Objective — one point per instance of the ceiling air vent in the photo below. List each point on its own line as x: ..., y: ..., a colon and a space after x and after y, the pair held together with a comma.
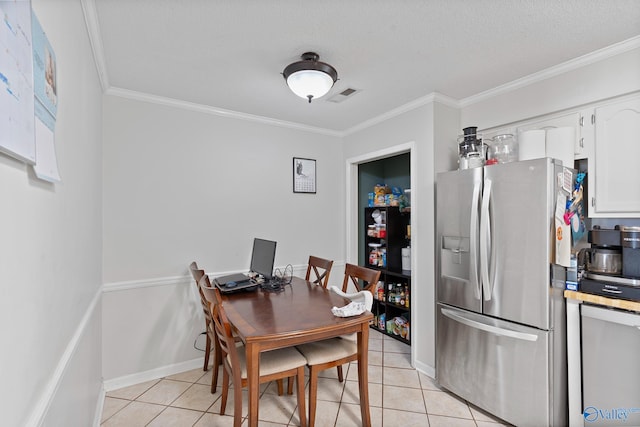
x: 347, y: 93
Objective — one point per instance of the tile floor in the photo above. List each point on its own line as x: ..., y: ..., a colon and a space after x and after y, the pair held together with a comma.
x: 398, y: 395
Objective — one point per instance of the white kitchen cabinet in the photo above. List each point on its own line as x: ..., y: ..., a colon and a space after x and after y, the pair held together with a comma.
x: 615, y: 172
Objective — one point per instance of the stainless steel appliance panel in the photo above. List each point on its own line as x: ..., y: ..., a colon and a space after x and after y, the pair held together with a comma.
x: 610, y: 366
x: 517, y: 245
x: 499, y: 366
x: 458, y: 197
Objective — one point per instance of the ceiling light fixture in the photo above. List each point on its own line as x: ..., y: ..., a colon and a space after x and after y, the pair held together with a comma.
x: 310, y: 78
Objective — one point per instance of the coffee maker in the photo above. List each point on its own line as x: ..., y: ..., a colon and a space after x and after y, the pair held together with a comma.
x: 611, y: 266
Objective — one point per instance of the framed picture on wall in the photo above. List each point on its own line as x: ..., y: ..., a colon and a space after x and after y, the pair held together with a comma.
x: 304, y: 175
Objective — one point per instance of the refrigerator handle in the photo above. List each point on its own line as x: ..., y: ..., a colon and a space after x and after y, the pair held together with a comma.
x: 485, y: 239
x: 488, y: 328
x: 473, y: 242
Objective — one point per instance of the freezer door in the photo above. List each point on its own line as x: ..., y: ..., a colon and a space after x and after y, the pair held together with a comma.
x: 515, y: 240
x: 457, y: 201
x: 498, y: 366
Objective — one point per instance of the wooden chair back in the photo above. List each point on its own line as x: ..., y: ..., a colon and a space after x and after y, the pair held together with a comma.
x: 362, y: 278
x: 321, y: 268
x: 211, y: 293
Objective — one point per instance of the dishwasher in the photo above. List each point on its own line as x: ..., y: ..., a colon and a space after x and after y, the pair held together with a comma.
x: 610, y: 366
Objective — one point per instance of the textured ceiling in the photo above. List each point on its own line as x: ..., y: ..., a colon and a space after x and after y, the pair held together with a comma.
x: 228, y: 54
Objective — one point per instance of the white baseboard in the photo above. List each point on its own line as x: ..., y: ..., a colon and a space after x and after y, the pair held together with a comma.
x: 426, y: 369
x: 153, y: 374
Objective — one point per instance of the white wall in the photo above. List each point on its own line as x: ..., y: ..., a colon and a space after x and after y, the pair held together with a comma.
x: 417, y: 126
x: 183, y: 185
x: 612, y: 76
x: 50, y: 251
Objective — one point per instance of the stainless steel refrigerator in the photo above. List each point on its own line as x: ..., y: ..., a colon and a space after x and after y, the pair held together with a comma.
x: 500, y: 315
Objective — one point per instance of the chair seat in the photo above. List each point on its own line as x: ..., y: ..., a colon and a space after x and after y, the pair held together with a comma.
x: 324, y: 351
x: 272, y: 361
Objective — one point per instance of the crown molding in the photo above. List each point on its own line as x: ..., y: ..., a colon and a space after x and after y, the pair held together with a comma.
x: 176, y: 103
x: 573, y: 64
x: 427, y: 99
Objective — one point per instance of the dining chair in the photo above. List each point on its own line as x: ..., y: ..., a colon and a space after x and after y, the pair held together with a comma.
x: 321, y: 268
x: 210, y: 333
x: 337, y: 351
x: 211, y: 296
x: 274, y: 365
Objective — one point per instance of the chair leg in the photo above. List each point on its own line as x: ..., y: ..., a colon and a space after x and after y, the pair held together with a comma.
x: 313, y: 395
x: 237, y: 404
x: 280, y: 387
x: 340, y: 376
x: 207, y: 351
x: 217, y: 361
x: 225, y: 391
x: 290, y: 385
x: 302, y: 413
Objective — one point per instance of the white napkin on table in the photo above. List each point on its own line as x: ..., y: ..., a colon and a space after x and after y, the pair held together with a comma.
x: 352, y: 309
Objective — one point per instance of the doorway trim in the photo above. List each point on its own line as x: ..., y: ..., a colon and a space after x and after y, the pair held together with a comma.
x: 351, y: 231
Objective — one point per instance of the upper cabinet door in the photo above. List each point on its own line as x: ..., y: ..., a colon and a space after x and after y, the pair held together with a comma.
x: 617, y: 160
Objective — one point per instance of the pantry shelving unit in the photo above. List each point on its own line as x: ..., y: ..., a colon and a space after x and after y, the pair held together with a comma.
x: 385, y: 239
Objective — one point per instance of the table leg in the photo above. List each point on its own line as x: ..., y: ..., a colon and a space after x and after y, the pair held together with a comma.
x: 253, y: 381
x: 363, y: 374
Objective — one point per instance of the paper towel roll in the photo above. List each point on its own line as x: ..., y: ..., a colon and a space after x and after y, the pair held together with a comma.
x: 531, y: 144
x: 560, y: 144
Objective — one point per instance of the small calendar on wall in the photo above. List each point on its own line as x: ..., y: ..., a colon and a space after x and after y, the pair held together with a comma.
x: 304, y: 175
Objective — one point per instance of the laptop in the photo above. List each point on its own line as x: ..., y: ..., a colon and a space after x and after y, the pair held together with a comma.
x: 262, y: 258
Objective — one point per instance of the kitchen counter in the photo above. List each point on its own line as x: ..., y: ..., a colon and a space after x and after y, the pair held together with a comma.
x: 574, y: 358
x: 604, y: 301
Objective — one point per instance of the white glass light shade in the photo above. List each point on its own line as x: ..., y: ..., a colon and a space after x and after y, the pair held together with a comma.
x: 310, y: 83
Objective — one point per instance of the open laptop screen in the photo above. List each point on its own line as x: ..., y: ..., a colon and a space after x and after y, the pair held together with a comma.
x: 262, y: 257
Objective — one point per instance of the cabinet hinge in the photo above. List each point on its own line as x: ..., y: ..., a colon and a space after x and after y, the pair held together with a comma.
x: 593, y: 202
x: 581, y: 121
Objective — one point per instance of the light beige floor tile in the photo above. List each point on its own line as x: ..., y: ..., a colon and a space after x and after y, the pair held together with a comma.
x: 188, y: 376
x: 333, y: 372
x: 215, y: 408
x: 350, y: 416
x: 164, y: 392
x: 198, y: 397
x: 176, y: 417
x: 329, y: 389
x: 404, y: 399
x: 278, y: 409
x: 428, y: 383
x: 443, y: 403
x: 397, y: 360
x: 111, y: 406
x: 392, y: 345
x: 375, y: 345
x: 326, y: 413
x: 135, y: 414
x: 352, y: 393
x: 401, y: 377
x: 211, y: 420
x: 375, y: 358
x: 375, y: 373
x: 132, y: 392
x: 442, y: 421
x: 392, y: 417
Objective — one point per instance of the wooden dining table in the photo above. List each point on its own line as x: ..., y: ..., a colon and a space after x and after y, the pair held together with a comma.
x: 301, y: 313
